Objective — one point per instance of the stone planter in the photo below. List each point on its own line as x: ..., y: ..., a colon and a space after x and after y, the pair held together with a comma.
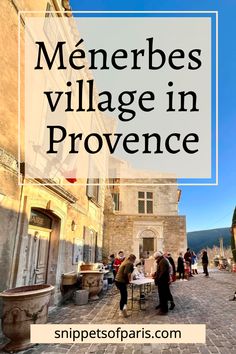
x: 93, y: 282
x: 22, y: 307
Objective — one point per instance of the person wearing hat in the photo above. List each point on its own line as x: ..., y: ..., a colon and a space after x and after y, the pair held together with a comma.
x: 123, y: 277
x: 162, y: 281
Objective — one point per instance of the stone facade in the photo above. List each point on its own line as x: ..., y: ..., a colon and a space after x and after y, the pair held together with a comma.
x: 126, y: 228
x: 31, y: 252
x: 46, y: 230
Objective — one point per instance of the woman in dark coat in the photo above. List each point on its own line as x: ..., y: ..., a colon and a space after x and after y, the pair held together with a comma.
x: 180, y: 266
x: 205, y: 263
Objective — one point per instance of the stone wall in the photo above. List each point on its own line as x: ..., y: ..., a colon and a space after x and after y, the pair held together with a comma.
x: 124, y: 229
x: 119, y: 232
x: 165, y: 197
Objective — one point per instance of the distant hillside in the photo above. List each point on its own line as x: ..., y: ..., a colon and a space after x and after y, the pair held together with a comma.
x: 198, y: 240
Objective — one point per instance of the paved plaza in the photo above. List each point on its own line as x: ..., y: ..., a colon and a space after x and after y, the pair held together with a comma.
x: 199, y: 300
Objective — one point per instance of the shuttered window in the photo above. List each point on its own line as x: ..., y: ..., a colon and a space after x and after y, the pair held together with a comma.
x: 90, y: 245
x: 93, y: 189
x: 116, y: 201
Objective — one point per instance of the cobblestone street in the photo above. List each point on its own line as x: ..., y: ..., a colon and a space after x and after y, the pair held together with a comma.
x: 200, y: 300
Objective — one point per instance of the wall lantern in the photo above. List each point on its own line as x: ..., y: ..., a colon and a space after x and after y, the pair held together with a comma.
x: 73, y: 225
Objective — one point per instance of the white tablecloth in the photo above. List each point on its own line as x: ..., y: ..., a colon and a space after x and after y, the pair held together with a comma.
x: 142, y: 281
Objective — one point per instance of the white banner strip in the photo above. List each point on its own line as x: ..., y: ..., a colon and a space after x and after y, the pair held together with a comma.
x: 117, y: 333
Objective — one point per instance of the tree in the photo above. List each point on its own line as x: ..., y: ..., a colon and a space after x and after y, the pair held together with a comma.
x: 233, y: 246
x: 234, y: 217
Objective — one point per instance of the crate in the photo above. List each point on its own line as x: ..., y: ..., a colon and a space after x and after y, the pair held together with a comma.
x: 81, y: 297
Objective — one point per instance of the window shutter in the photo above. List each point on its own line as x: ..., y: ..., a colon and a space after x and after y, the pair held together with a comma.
x: 90, y: 187
x: 86, y: 245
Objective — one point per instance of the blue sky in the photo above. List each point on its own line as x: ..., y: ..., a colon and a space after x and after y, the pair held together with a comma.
x: 205, y: 207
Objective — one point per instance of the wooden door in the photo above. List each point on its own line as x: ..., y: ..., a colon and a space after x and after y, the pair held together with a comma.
x: 39, y: 256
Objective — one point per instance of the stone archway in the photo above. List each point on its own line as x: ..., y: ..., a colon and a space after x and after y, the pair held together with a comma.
x: 147, y: 235
x: 147, y: 243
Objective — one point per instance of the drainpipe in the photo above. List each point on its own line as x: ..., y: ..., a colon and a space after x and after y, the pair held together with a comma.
x: 18, y: 233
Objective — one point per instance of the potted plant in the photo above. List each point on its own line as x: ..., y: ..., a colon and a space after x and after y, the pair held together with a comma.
x: 23, y: 306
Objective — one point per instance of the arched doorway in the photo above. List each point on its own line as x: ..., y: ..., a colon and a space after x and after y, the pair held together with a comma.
x: 147, y: 243
x: 148, y: 238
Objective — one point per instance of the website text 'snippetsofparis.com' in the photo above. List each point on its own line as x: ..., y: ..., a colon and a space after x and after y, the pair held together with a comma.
x: 115, y: 333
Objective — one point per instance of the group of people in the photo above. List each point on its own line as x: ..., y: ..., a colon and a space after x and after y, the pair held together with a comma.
x: 187, y: 265
x: 123, y: 270
x: 165, y: 274
x: 162, y: 278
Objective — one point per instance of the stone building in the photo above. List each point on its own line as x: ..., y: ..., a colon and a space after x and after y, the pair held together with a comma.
x: 144, y: 218
x: 46, y: 230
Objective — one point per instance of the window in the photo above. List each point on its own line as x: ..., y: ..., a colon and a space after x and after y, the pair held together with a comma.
x: 90, y: 245
x: 93, y: 189
x: 145, y: 202
x: 93, y: 184
x: 116, y: 200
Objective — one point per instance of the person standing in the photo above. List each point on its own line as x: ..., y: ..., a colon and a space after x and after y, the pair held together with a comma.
x: 194, y: 263
x: 172, y: 273
x: 123, y: 277
x: 180, y: 266
x: 205, y: 263
x: 162, y: 278
x: 188, y: 258
x: 118, y: 260
x: 172, y: 263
